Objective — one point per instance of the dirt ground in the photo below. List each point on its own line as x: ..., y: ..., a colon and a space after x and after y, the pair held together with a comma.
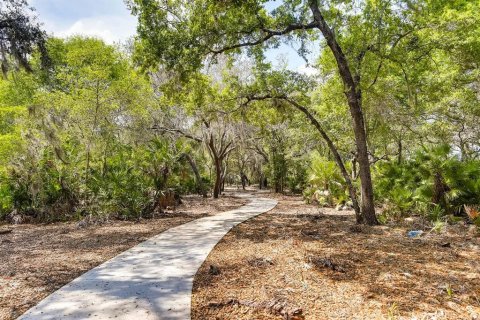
x: 36, y: 260
x: 299, y: 261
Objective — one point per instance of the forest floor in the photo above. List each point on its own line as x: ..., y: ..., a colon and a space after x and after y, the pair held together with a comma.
x: 37, y: 259
x: 299, y: 261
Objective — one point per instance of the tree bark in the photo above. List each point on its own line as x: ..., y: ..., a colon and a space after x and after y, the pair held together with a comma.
x: 218, y: 178
x: 336, y: 156
x: 400, y: 151
x: 353, y: 94
x: 194, y: 167
x: 94, y: 125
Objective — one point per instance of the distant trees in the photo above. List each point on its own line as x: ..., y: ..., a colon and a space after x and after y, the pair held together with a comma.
x: 367, y: 50
x: 204, y: 109
x: 86, y: 145
x: 196, y: 105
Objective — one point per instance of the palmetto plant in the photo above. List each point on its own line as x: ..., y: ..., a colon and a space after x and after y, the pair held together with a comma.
x: 324, y: 175
x: 433, y: 180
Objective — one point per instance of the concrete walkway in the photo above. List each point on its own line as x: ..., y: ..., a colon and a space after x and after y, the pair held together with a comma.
x: 152, y: 280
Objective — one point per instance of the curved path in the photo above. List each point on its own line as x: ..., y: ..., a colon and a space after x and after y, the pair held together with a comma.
x: 152, y: 280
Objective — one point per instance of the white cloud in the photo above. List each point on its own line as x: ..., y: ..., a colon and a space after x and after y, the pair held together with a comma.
x: 307, y: 70
x: 109, y: 28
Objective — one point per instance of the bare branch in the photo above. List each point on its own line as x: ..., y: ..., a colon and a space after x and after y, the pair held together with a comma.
x: 181, y: 132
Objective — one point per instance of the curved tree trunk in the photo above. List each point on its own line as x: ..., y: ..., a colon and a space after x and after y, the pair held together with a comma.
x: 198, y: 178
x: 338, y: 159
x: 354, y: 98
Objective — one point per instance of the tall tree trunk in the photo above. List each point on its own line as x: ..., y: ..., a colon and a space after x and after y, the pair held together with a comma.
x: 400, y: 151
x: 354, y: 97
x: 218, y: 178
x: 94, y: 126
x: 198, y: 178
x: 336, y: 156
x: 440, y: 188
x: 354, y: 168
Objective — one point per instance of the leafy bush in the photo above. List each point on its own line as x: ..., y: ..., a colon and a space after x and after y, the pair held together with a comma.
x: 126, y: 184
x: 434, y: 182
x: 297, y: 177
x: 325, y: 182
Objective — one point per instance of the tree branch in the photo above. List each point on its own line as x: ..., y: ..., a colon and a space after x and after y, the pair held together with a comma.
x: 181, y: 132
x: 323, y: 133
x: 268, y: 33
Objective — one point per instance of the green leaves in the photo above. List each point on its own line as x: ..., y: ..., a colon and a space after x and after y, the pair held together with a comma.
x: 434, y: 178
x: 181, y: 34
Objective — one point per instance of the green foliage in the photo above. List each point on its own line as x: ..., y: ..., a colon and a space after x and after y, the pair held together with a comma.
x: 82, y: 147
x: 20, y: 34
x: 416, y: 65
x: 325, y: 182
x: 91, y: 134
x: 435, y: 182
x: 297, y: 177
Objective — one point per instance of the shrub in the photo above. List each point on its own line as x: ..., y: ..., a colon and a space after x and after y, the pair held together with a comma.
x: 325, y: 182
x: 434, y: 183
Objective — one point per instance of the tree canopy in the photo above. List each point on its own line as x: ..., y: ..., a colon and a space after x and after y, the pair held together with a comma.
x: 196, y: 103
x: 20, y: 35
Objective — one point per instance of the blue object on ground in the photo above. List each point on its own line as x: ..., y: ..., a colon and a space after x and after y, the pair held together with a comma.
x: 414, y: 233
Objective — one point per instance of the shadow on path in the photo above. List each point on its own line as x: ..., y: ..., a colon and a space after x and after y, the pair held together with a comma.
x: 152, y: 280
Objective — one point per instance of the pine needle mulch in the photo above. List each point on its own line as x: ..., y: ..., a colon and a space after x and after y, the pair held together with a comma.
x: 37, y: 259
x: 299, y: 261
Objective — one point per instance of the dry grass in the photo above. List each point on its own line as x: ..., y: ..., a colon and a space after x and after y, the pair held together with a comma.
x: 38, y: 259
x: 298, y: 256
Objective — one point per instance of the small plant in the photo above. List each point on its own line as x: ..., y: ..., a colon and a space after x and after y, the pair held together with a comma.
x: 438, y: 226
x: 433, y: 182
x: 435, y: 212
x: 326, y: 185
x: 392, y: 311
x: 383, y: 218
x: 473, y: 213
x: 449, y: 290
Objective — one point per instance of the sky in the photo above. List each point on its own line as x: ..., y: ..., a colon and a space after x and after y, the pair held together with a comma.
x: 111, y: 21
x: 106, y: 19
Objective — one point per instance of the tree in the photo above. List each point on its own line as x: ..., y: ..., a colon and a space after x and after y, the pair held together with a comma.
x: 87, y: 144
x: 20, y: 34
x: 183, y: 34
x: 196, y: 116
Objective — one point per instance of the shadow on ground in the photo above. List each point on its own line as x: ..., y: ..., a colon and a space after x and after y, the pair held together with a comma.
x: 332, y: 269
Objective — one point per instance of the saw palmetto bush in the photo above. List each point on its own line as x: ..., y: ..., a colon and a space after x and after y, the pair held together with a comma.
x: 325, y: 183
x: 433, y: 182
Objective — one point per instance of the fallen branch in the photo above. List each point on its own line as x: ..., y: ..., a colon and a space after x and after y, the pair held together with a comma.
x: 326, y: 263
x: 6, y: 231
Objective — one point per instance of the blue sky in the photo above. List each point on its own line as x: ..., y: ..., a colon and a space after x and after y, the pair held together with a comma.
x: 111, y: 21
x: 107, y: 19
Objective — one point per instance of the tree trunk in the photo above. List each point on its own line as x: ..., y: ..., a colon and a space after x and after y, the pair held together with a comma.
x: 354, y: 97
x: 440, y: 188
x: 354, y: 168
x: 244, y: 180
x: 400, y: 151
x: 224, y: 176
x: 336, y: 156
x: 200, y: 186
x: 218, y: 178
x: 94, y: 125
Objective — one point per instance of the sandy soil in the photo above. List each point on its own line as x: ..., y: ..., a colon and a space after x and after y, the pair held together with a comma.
x: 299, y: 261
x: 35, y: 260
